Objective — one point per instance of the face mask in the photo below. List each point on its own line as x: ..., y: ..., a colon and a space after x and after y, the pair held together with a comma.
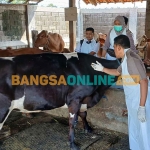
x: 118, y: 28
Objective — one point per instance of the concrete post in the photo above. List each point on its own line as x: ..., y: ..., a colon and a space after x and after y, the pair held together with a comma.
x: 81, y: 25
x: 133, y: 22
x: 79, y: 21
x: 31, y: 20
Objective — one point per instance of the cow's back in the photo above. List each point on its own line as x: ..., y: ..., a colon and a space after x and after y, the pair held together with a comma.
x: 41, y: 97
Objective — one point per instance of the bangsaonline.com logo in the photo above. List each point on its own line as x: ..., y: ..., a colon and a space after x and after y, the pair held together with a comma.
x: 75, y: 80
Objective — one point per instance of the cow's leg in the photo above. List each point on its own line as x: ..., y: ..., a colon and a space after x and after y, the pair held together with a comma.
x: 73, y: 109
x: 86, y: 126
x: 71, y: 132
x: 76, y: 120
x: 5, y: 104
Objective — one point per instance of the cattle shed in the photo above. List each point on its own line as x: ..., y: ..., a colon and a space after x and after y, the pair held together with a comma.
x: 113, y: 116
x: 18, y: 33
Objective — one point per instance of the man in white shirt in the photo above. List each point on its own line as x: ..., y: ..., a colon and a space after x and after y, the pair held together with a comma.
x: 88, y: 45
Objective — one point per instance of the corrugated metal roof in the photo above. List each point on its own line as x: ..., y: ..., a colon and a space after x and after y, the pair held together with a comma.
x: 95, y: 2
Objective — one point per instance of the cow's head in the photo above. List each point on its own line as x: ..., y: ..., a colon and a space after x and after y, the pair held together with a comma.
x: 42, y: 39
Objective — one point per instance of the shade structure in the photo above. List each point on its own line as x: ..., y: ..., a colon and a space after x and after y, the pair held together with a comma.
x: 95, y: 2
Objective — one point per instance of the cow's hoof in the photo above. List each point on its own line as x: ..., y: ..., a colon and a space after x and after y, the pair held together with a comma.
x: 74, y: 147
x: 88, y: 130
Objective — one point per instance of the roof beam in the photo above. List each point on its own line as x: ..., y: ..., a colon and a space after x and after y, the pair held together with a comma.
x: 123, y: 1
x: 106, y: 1
x: 132, y: 1
x: 93, y: 2
x: 114, y: 1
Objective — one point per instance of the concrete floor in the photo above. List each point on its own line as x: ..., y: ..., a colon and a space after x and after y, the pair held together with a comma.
x: 46, y: 132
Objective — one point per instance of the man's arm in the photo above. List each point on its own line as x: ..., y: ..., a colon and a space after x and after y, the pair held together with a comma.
x: 95, y: 49
x: 92, y: 53
x: 104, y: 53
x: 116, y: 72
x: 106, y: 45
x: 111, y: 71
x: 143, y: 91
x: 99, y: 67
x: 78, y: 48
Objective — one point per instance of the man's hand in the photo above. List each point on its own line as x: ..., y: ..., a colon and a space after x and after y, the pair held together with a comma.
x: 142, y: 114
x: 104, y: 53
x: 92, y: 53
x: 97, y: 66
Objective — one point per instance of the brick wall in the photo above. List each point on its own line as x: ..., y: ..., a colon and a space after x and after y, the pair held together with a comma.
x: 102, y: 20
x: 52, y: 20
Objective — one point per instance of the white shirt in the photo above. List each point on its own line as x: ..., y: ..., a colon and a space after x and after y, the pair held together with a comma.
x: 112, y: 37
x: 87, y: 48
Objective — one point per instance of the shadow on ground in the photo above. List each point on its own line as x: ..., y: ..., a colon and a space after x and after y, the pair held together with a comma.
x: 45, y: 132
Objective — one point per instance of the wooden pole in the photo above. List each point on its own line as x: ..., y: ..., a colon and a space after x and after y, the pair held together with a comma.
x: 34, y: 36
x: 147, y: 19
x: 27, y: 25
x: 72, y: 29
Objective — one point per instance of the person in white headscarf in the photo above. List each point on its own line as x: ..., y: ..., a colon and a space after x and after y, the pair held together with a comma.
x: 120, y: 27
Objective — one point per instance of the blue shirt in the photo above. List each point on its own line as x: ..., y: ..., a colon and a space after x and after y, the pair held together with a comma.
x: 87, y: 48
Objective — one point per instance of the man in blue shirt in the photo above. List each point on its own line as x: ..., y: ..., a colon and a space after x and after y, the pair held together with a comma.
x: 88, y: 45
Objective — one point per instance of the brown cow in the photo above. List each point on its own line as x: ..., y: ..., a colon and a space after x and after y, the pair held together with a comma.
x: 5, y: 53
x: 147, y: 55
x: 23, y: 51
x: 14, y: 52
x: 53, y: 42
x: 143, y: 48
